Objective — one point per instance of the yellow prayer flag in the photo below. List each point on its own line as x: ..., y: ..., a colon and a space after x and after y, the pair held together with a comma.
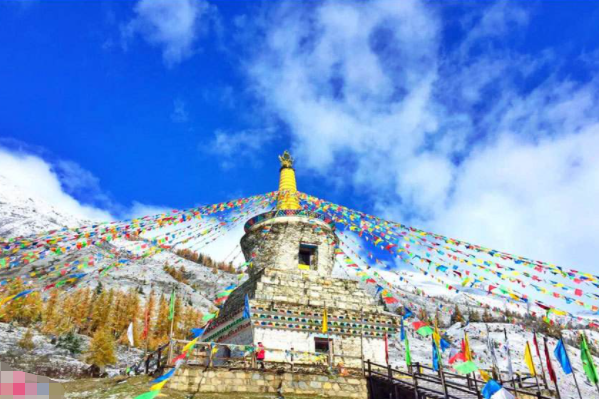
x: 528, y: 360
x: 190, y: 344
x: 468, y: 354
x: 158, y: 386
x: 437, y: 335
x: 325, y: 321
x: 484, y: 375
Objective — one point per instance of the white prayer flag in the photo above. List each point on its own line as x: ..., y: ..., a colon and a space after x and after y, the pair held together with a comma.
x: 130, y: 334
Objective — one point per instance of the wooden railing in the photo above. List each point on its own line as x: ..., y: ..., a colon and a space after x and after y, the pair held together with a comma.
x: 279, y: 358
x: 424, y: 381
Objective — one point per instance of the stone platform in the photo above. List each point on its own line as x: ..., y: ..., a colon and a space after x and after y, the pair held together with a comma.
x: 285, y: 383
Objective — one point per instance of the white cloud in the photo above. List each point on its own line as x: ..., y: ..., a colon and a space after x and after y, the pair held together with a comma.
x: 179, y: 114
x: 445, y: 138
x: 172, y: 25
x: 38, y: 178
x: 233, y: 147
x: 139, y: 210
x: 62, y: 184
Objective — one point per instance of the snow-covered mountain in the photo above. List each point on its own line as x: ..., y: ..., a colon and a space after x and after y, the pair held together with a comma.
x: 23, y: 214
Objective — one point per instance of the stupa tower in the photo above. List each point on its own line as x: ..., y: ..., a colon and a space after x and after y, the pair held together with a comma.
x: 292, y: 255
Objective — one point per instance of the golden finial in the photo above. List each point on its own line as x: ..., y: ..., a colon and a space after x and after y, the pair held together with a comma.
x: 286, y: 160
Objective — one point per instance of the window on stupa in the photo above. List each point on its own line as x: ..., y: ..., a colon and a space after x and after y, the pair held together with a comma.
x: 322, y: 345
x: 307, y: 256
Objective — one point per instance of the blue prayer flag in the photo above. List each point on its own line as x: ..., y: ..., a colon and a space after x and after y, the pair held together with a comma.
x: 407, y: 313
x: 403, y: 331
x: 246, y: 309
x: 164, y: 377
x: 562, y: 357
x: 435, y: 357
x: 491, y: 388
x: 444, y: 344
x: 197, y: 332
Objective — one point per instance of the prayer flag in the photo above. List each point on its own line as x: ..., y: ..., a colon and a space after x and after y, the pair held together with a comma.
x: 403, y: 331
x: 130, y: 334
x: 408, y: 356
x: 550, y: 370
x: 148, y: 395
x: 422, y: 329
x: 197, y: 332
x: 493, y: 390
x: 466, y: 367
x: 587, y: 362
x: 562, y: 357
x: 158, y: 386
x: 246, y: 309
x: 164, y: 377
x: 325, y: 321
x: 407, y: 313
x: 528, y: 360
x: 466, y: 348
x: 435, y: 356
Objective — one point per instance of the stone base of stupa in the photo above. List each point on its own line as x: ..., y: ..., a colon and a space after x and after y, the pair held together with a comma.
x: 196, y: 379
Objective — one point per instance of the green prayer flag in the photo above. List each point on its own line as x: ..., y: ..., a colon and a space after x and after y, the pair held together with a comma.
x: 587, y: 362
x: 408, y: 356
x: 209, y: 316
x: 466, y: 367
x: 171, y: 312
x: 425, y: 331
x: 148, y: 395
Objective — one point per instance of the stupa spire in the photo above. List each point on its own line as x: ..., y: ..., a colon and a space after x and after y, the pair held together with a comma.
x: 288, y: 198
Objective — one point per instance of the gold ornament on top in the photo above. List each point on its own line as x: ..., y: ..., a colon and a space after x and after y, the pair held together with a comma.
x: 286, y: 160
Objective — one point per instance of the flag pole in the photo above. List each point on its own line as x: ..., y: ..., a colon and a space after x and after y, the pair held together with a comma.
x: 533, y: 365
x: 362, y: 337
x: 550, y: 366
x: 170, y: 335
x: 568, y: 357
x: 534, y: 334
x: 509, y: 356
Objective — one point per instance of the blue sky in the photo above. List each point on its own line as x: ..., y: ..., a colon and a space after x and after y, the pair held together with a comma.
x: 474, y: 120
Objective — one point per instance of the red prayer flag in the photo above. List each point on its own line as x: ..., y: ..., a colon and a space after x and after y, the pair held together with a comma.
x: 550, y: 370
x: 418, y: 325
x: 458, y: 356
x: 578, y: 292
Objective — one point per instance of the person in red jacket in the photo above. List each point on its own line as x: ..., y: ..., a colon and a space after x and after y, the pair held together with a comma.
x: 260, y: 354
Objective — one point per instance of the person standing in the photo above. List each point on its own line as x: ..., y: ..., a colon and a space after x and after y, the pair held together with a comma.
x: 260, y: 355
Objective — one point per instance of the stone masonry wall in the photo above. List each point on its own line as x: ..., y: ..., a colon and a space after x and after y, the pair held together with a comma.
x: 197, y: 379
x: 279, y: 247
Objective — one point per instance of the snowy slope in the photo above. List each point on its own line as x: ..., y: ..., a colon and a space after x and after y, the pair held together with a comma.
x: 23, y: 214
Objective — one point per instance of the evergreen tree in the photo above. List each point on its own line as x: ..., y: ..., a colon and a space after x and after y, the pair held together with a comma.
x: 26, y: 342
x: 487, y: 318
x: 473, y: 316
x: 71, y: 342
x: 457, y: 316
x: 102, y: 348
